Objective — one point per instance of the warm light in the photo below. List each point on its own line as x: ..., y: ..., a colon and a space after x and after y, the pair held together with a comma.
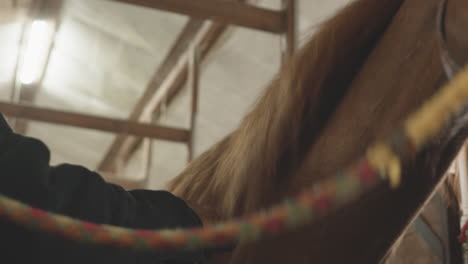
x: 35, y: 52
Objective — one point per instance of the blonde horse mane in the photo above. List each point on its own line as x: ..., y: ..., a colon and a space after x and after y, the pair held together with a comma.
x: 252, y: 167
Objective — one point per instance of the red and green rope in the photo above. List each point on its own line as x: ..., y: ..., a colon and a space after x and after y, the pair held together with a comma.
x: 381, y: 164
x: 290, y: 214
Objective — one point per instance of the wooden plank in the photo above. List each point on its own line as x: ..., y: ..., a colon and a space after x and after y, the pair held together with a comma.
x: 229, y: 12
x: 94, y: 122
x: 147, y: 161
x: 124, y: 146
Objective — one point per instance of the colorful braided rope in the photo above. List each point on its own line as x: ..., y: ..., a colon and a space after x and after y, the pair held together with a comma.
x: 309, y: 204
x: 381, y: 163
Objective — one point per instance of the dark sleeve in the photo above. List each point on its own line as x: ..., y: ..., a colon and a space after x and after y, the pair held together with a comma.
x: 75, y: 191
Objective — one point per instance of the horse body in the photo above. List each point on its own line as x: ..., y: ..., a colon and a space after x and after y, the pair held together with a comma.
x: 353, y: 83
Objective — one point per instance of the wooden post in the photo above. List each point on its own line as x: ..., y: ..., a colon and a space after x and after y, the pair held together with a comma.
x: 147, y: 160
x: 289, y: 37
x: 194, y: 85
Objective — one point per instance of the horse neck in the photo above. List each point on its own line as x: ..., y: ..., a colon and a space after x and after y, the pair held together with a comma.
x: 403, y: 70
x: 456, y: 22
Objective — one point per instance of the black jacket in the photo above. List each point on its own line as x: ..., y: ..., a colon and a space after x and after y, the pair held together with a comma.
x: 25, y: 174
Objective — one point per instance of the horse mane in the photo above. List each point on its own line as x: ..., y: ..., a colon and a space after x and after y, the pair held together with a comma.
x: 252, y: 166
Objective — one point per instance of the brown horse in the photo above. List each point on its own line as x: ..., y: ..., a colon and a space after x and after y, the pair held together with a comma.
x: 365, y: 70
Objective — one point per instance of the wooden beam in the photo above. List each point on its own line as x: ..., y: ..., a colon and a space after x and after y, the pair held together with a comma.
x: 290, y: 9
x: 94, y: 122
x: 147, y: 161
x: 229, y: 12
x: 194, y: 72
x: 123, y: 146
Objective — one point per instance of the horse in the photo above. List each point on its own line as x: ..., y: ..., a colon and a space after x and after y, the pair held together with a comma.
x: 350, y: 84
